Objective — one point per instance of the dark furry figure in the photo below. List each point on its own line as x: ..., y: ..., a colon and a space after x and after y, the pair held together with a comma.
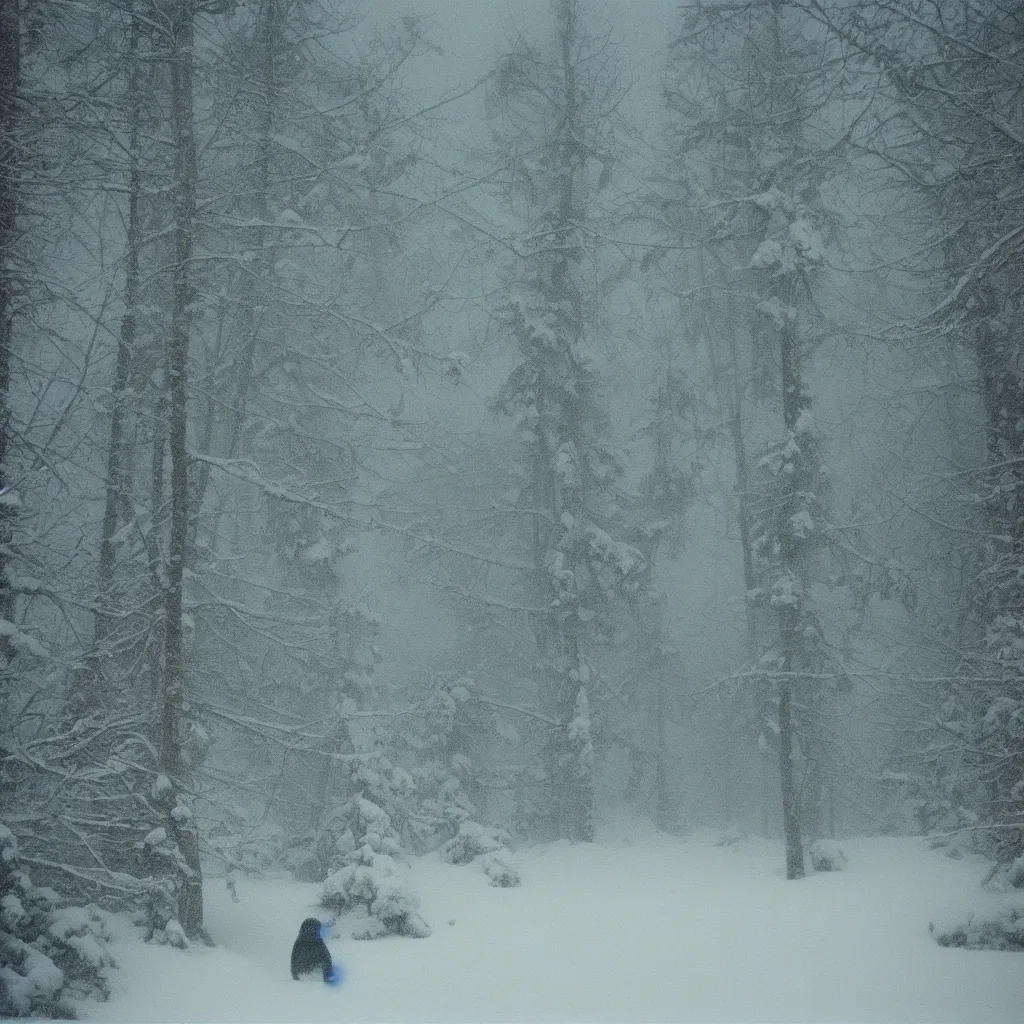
x: 310, y: 951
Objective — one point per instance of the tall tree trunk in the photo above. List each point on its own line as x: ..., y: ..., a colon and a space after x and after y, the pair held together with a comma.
x: 664, y: 811
x: 190, y: 907
x: 270, y: 25
x: 118, y: 455
x: 790, y: 801
x: 729, y: 385
x: 790, y: 617
x: 577, y: 782
x: 155, y: 539
x: 10, y: 73
x: 177, y: 382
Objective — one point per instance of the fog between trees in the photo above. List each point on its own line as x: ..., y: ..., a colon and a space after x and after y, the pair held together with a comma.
x: 385, y: 468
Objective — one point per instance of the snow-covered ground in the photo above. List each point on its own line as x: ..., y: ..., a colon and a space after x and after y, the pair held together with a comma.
x: 650, y: 928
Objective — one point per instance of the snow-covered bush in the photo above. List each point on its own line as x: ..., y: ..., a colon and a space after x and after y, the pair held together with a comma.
x: 49, y: 953
x: 446, y: 776
x: 442, y: 807
x: 826, y: 855
x: 376, y: 803
x: 384, y: 784
x: 1003, y: 929
x: 498, y: 868
x: 158, y: 857
x: 472, y: 840
x: 371, y: 879
x: 486, y: 846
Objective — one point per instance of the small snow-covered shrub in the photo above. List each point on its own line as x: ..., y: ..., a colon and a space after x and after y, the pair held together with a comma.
x: 499, y: 869
x: 372, y: 881
x: 488, y: 847
x: 174, y: 935
x: 80, y: 936
x: 472, y: 840
x: 826, y: 855
x: 371, y: 878
x: 1003, y: 929
x: 49, y: 953
x: 446, y: 775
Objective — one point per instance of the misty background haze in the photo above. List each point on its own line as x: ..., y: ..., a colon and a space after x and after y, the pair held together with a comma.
x: 445, y: 426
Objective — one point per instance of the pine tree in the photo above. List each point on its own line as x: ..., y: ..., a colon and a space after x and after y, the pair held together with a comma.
x: 753, y: 158
x: 556, y: 104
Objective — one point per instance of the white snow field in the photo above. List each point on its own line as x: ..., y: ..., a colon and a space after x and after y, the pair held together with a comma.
x: 640, y: 928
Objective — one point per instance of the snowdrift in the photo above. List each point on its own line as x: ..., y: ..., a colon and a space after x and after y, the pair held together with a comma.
x: 634, y: 928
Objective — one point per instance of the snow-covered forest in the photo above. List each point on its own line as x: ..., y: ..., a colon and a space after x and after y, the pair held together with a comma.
x: 448, y: 428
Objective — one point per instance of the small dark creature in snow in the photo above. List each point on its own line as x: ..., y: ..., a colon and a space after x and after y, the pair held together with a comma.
x: 310, y: 951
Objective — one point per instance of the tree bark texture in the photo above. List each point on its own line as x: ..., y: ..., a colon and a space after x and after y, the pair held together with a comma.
x: 790, y: 615
x: 10, y: 73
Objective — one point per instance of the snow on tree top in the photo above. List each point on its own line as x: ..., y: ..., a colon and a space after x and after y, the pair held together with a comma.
x: 768, y: 254
x: 373, y: 813
x: 565, y: 465
x: 770, y: 201
x: 804, y: 422
x: 786, y: 590
x: 624, y: 557
x: 801, y: 523
x: 804, y: 235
